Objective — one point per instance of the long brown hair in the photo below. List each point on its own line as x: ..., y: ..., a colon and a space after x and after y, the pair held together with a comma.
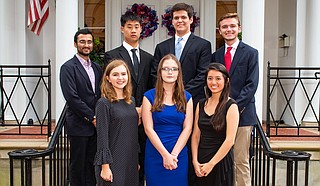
x: 217, y: 120
x: 106, y: 87
x: 178, y: 96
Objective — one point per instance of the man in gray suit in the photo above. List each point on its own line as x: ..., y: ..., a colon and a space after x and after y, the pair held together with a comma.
x: 80, y: 85
x: 139, y: 62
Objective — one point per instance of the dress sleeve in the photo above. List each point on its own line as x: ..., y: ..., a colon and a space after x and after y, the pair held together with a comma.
x: 103, y: 154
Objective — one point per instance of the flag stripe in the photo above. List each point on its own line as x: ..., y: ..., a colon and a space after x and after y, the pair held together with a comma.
x: 37, y: 15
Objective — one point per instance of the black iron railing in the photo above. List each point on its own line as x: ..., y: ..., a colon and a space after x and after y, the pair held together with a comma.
x: 285, y: 87
x: 54, y: 161
x: 265, y: 163
x: 25, y: 91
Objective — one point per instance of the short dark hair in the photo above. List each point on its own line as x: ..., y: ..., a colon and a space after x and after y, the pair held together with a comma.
x: 82, y: 31
x: 229, y: 15
x: 182, y: 6
x: 129, y: 16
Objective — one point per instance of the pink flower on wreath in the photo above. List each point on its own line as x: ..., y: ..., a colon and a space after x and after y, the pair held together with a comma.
x: 167, y: 22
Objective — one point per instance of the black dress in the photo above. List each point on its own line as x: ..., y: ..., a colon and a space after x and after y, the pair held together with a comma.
x: 210, y: 142
x: 117, y: 142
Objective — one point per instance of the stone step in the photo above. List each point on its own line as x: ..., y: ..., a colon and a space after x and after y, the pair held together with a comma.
x: 7, y: 145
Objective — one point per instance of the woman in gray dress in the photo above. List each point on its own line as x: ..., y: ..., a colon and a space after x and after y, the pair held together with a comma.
x: 116, y: 161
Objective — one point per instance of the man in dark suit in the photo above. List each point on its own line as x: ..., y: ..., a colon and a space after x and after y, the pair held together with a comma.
x: 244, y: 77
x: 194, y: 54
x: 139, y: 62
x: 80, y: 84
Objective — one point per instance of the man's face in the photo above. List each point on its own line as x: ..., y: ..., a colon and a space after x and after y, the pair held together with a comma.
x: 131, y: 32
x: 181, y: 22
x: 229, y: 29
x: 84, y: 44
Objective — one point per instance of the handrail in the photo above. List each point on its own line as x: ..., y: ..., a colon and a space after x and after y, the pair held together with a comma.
x: 31, y: 153
x: 58, y: 153
x: 263, y: 155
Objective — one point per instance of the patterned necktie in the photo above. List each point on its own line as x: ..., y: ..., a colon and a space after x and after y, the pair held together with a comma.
x: 227, y: 59
x: 178, y: 48
x: 135, y: 61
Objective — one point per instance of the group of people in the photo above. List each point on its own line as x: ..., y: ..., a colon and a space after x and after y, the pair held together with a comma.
x: 182, y: 116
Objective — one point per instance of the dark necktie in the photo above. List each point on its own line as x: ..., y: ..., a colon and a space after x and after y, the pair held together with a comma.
x: 178, y: 48
x: 227, y: 59
x: 135, y: 61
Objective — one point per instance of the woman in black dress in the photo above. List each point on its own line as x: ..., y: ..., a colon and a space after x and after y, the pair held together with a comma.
x: 215, y: 126
x: 116, y: 161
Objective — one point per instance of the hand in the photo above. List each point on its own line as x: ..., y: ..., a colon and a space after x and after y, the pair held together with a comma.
x: 206, y: 168
x: 170, y: 162
x: 106, y: 174
x: 139, y: 115
x: 94, y: 122
x: 196, y: 166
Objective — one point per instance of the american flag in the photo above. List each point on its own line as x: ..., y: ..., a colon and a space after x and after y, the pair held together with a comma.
x: 37, y: 15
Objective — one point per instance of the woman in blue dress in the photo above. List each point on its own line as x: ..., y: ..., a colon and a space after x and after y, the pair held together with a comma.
x: 167, y: 114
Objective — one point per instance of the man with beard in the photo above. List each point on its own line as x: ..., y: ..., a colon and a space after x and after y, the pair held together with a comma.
x: 80, y: 84
x: 241, y: 60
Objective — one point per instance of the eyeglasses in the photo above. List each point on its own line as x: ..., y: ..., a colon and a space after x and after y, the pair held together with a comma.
x: 167, y: 69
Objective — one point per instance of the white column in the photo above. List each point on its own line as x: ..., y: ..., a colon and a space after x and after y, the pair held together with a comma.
x: 66, y: 27
x: 208, y: 21
x: 253, y: 34
x: 312, y: 43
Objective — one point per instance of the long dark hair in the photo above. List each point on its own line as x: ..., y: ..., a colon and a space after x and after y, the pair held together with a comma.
x: 217, y: 120
x: 178, y: 96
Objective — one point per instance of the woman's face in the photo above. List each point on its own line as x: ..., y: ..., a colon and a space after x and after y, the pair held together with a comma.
x: 169, y: 71
x: 215, y: 81
x: 118, y: 77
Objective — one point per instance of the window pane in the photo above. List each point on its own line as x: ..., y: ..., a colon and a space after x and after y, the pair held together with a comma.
x: 94, y: 13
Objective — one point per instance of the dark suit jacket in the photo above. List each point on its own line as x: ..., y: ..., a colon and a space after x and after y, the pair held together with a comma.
x: 244, y: 78
x: 80, y: 98
x: 141, y: 84
x: 195, y: 58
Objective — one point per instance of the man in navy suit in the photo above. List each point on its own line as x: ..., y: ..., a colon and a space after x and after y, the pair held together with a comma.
x: 195, y: 56
x: 244, y: 77
x: 140, y: 71
x: 80, y: 84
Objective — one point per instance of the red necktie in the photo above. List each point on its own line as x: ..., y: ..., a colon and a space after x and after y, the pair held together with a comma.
x: 227, y: 59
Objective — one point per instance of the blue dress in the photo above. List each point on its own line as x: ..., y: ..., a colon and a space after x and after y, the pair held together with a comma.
x: 168, y: 125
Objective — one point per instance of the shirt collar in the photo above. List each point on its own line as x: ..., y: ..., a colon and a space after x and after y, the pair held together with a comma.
x: 234, y: 45
x: 83, y: 61
x: 185, y: 37
x: 129, y: 47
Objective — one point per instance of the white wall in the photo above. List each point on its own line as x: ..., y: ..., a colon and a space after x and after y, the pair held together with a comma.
x: 271, y: 46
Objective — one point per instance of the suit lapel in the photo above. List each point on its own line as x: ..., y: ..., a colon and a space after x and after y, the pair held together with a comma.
x: 186, y: 47
x: 126, y: 57
x: 97, y: 76
x: 142, y: 64
x: 172, y: 47
x: 82, y: 71
x: 237, y: 57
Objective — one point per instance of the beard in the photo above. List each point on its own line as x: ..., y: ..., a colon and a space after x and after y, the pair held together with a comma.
x: 81, y: 51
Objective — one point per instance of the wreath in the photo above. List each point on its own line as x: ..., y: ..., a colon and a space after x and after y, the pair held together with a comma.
x: 149, y: 19
x: 167, y: 22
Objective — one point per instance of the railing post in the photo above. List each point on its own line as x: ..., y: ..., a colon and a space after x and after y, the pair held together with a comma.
x: 289, y: 172
x: 28, y: 171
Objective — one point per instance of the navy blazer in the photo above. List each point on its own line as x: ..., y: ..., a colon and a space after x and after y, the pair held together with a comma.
x: 143, y: 82
x: 244, y: 78
x: 81, y: 99
x: 195, y: 58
